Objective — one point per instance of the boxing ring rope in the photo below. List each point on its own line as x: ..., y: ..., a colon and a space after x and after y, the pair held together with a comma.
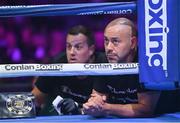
x: 69, y: 9
x: 152, y: 75
x: 17, y: 70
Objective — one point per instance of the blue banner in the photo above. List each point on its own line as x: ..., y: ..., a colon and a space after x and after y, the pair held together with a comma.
x: 159, y: 43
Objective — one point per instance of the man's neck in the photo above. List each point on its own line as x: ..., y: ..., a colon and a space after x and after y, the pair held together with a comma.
x: 131, y: 57
x: 92, y: 59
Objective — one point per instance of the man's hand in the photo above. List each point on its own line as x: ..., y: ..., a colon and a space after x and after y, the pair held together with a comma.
x: 95, y: 105
x: 69, y: 107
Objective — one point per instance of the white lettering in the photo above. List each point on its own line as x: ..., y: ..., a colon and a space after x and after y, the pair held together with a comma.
x: 156, y: 32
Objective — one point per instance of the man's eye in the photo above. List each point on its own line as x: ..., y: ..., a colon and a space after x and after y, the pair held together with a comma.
x: 115, y: 42
x: 68, y: 46
x: 78, y: 47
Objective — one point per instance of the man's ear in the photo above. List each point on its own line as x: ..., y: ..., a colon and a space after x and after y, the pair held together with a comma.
x: 91, y: 50
x: 133, y: 42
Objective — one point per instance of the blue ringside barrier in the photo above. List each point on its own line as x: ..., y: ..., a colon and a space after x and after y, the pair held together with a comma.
x: 159, y: 44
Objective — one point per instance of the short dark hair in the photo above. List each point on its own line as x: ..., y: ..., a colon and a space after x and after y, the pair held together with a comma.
x: 85, y: 31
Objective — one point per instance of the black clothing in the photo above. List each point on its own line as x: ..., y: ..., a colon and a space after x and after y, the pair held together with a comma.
x: 120, y: 89
x: 168, y: 102
x: 76, y: 88
x: 67, y: 87
x: 62, y: 58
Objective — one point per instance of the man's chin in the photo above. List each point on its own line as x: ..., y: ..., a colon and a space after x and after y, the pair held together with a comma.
x: 72, y: 62
x: 112, y: 61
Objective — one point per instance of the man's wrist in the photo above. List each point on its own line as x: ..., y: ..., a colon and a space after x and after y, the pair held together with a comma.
x: 107, y: 108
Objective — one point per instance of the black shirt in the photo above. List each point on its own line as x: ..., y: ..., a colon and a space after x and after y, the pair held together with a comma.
x: 121, y: 89
x: 76, y: 88
x: 67, y: 87
x: 169, y: 102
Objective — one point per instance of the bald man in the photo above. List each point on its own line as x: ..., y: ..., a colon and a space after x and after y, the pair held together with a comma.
x: 120, y: 95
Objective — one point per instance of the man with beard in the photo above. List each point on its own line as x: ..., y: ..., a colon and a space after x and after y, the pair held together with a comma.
x: 120, y: 95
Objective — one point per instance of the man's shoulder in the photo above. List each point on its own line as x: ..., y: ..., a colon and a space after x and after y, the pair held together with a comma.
x: 60, y: 58
x: 100, y: 57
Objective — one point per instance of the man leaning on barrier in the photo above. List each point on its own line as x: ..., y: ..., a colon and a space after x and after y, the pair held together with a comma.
x: 120, y: 95
x: 75, y: 90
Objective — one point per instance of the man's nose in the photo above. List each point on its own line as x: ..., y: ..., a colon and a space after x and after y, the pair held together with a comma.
x: 109, y: 46
x: 72, y: 50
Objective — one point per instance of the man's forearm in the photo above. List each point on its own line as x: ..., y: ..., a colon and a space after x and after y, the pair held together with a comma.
x: 144, y: 108
x: 127, y: 110
x: 39, y: 96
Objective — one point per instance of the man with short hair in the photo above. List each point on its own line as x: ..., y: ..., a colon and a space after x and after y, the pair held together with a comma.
x: 120, y: 95
x: 75, y: 90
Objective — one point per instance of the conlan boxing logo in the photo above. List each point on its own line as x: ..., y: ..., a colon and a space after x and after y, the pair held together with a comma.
x: 156, y: 32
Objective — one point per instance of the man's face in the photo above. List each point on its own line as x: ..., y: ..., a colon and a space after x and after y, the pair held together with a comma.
x: 118, y: 43
x: 77, y: 49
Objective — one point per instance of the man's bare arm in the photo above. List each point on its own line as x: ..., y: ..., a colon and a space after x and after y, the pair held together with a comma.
x: 144, y: 108
x: 39, y: 96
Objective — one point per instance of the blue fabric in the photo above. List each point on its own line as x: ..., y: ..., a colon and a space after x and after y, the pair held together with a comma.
x: 159, y: 60
x: 175, y: 117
